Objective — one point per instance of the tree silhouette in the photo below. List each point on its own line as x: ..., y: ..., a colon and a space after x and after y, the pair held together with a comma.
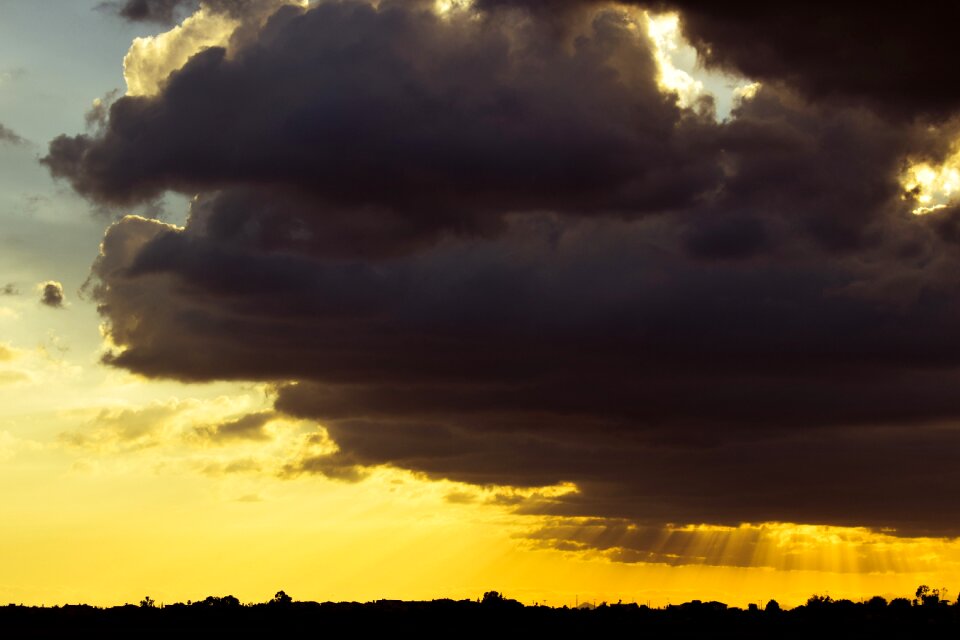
x: 928, y: 596
x: 818, y: 601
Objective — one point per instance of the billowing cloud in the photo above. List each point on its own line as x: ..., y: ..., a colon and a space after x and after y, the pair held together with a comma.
x: 487, y: 246
x: 151, y: 60
x: 527, y: 129
x: 51, y: 294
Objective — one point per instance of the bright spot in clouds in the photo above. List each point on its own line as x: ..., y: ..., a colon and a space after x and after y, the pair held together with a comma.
x: 664, y: 32
x: 151, y: 60
x: 681, y: 72
x: 932, y: 187
x: 443, y: 7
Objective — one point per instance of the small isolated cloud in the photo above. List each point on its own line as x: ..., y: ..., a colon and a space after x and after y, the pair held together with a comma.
x: 51, y: 294
x: 9, y: 137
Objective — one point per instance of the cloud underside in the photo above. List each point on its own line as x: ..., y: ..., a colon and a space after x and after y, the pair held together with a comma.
x: 487, y: 247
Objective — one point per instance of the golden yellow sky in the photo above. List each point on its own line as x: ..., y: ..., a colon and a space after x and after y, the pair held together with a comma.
x: 116, y: 487
x: 110, y: 507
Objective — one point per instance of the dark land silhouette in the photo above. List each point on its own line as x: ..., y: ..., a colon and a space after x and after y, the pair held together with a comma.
x: 928, y: 613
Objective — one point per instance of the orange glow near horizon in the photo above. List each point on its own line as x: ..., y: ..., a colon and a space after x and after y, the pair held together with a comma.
x: 116, y: 500
x: 107, y: 529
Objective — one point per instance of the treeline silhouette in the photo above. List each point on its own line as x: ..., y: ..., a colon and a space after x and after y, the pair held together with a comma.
x: 929, y: 612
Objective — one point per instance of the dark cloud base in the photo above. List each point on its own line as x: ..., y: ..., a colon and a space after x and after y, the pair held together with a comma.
x: 488, y: 248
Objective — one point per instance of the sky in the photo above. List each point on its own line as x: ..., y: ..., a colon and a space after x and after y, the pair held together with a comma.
x: 577, y: 301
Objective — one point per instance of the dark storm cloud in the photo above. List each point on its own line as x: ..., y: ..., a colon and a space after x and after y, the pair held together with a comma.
x: 888, y: 56
x: 397, y: 114
x: 51, y: 294
x: 9, y: 137
x: 595, y: 360
x: 444, y: 230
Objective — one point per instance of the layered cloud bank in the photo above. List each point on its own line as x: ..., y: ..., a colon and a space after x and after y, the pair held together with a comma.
x: 484, y: 244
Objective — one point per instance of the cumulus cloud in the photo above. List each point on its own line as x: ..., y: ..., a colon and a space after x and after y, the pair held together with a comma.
x: 478, y: 125
x: 152, y: 59
x: 488, y: 247
x: 51, y: 294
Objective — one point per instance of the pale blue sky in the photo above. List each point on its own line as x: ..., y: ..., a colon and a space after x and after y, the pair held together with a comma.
x: 56, y: 57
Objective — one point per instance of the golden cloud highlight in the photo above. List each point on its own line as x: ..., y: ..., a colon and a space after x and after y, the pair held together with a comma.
x: 770, y: 545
